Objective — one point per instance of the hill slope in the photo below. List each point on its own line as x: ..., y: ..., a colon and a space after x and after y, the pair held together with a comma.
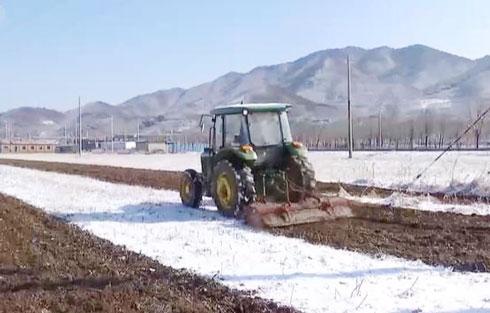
x: 404, y: 81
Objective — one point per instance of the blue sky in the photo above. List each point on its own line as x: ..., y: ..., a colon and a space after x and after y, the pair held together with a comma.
x: 51, y: 51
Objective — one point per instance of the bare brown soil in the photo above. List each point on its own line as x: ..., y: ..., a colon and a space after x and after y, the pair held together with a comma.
x: 436, y: 238
x: 123, y: 175
x: 47, y: 265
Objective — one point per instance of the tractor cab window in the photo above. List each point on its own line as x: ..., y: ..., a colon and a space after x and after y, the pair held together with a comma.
x: 218, y: 140
x: 236, y: 133
x: 286, y: 129
x: 265, y: 128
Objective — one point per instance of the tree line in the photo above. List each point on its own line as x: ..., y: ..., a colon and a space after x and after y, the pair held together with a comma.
x: 426, y: 131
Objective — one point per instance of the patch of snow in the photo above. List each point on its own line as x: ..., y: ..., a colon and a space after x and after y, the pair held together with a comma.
x: 426, y: 203
x: 312, y: 278
x: 467, y: 172
x: 177, y: 162
x: 48, y: 122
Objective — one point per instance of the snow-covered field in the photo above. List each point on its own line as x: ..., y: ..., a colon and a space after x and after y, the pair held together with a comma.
x: 178, y: 162
x: 310, y: 277
x: 467, y: 172
x: 425, y: 203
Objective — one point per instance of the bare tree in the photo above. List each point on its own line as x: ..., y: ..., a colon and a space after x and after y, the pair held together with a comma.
x: 427, y: 127
x: 442, y: 132
x: 478, y: 127
x: 411, y: 134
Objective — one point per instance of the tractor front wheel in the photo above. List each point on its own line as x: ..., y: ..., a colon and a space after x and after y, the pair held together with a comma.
x: 191, y: 189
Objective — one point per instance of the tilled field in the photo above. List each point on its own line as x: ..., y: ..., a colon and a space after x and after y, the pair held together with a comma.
x: 437, y: 238
x: 47, y: 265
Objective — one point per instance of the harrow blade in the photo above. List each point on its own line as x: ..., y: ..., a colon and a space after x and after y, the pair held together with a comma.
x: 310, y: 210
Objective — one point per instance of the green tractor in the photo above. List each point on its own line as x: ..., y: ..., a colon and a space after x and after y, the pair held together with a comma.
x: 253, y: 166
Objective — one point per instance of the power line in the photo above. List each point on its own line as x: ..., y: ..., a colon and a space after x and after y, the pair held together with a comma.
x: 480, y: 117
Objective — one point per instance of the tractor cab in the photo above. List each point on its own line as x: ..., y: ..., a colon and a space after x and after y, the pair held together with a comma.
x: 260, y: 130
x: 259, y: 125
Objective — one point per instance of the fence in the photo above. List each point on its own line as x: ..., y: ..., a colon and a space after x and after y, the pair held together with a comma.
x: 178, y: 147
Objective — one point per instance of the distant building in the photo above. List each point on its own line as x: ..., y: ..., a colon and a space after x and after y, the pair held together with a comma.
x: 66, y: 149
x: 88, y: 145
x: 28, y: 146
x: 157, y: 147
x: 130, y: 145
x: 108, y: 146
x: 118, y: 146
x: 152, y: 147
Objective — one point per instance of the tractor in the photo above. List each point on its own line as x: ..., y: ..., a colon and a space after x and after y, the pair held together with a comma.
x: 253, y: 168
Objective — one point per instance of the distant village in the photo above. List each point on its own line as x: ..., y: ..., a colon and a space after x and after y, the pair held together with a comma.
x: 120, y: 144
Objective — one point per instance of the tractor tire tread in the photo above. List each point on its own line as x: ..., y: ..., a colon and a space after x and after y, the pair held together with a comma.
x: 306, y: 181
x: 226, y: 164
x: 245, y: 188
x: 197, y: 188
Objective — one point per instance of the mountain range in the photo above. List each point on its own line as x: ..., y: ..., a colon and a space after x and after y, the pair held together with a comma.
x: 399, y: 82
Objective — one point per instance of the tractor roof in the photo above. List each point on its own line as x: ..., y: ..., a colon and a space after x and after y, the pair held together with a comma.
x: 251, y: 107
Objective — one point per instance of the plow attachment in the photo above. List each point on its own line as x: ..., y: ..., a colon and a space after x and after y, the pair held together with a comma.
x: 309, y: 210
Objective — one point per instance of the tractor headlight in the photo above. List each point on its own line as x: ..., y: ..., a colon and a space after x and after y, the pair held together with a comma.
x: 297, y: 144
x: 246, y: 148
x: 298, y: 148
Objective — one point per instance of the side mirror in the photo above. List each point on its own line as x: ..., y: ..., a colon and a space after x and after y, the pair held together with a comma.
x: 201, y: 121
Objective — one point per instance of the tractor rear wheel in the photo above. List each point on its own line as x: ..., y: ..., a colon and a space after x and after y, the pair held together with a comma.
x: 301, y: 178
x: 248, y: 192
x: 232, y: 188
x: 191, y: 188
x: 225, y: 186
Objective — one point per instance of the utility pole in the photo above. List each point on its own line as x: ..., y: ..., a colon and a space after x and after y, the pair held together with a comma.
x: 80, y: 135
x: 64, y: 133
x: 112, y: 133
x: 380, y: 130
x: 138, y: 131
x: 349, y: 113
